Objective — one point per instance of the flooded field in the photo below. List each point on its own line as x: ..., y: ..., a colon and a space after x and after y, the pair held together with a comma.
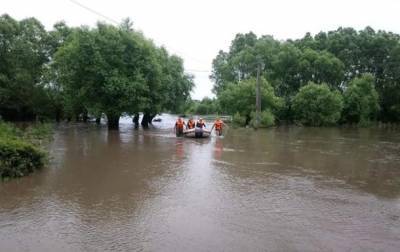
x: 283, y: 189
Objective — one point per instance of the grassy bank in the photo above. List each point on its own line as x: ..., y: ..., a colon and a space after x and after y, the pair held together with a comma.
x: 21, y: 149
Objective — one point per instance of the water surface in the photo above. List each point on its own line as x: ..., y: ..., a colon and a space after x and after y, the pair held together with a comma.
x: 283, y: 189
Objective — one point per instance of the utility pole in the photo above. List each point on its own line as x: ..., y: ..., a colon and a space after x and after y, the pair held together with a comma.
x: 258, y: 96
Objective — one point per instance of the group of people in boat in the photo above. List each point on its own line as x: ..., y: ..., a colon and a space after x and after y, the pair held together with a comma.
x: 181, y: 126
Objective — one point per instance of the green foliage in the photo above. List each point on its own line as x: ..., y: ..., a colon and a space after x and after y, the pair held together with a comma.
x: 334, y: 58
x: 19, y: 158
x: 238, y: 120
x: 267, y: 119
x: 206, y: 106
x: 23, y: 53
x: 240, y: 97
x: 7, y: 130
x: 114, y: 70
x: 361, y: 100
x: 76, y: 72
x: 317, y: 105
x: 18, y: 154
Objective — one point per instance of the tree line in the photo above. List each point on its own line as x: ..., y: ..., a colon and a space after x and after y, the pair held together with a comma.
x: 69, y: 73
x: 340, y: 76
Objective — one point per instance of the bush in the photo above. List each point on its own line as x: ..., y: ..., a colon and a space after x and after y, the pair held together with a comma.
x: 18, y: 158
x: 18, y: 155
x: 238, y: 120
x: 317, y: 105
x: 361, y: 101
x: 240, y: 97
x: 267, y: 119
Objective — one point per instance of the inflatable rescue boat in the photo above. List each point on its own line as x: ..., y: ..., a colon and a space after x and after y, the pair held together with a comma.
x: 197, y: 133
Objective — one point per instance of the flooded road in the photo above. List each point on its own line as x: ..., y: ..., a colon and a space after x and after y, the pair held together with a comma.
x: 283, y: 189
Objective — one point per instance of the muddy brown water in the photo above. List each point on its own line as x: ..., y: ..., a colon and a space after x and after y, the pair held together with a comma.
x: 283, y: 189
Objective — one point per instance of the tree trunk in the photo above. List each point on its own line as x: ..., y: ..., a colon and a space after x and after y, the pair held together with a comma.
x: 145, y: 120
x: 98, y: 120
x: 151, y: 119
x: 135, y: 120
x: 113, y: 122
x: 58, y: 115
x: 85, y: 117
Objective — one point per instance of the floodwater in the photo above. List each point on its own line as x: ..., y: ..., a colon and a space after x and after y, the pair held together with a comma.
x: 283, y: 189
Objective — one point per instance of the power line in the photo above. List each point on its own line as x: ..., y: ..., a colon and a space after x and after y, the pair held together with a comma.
x: 94, y: 11
x: 117, y: 23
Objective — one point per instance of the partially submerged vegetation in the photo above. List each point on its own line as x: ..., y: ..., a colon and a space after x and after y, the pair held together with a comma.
x: 337, y: 77
x: 21, y: 150
x: 71, y: 73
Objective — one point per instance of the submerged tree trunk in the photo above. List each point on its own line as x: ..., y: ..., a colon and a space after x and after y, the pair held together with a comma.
x: 112, y: 121
x: 59, y: 115
x: 98, y: 120
x: 151, y: 118
x: 145, y: 120
x: 85, y: 117
x: 135, y: 120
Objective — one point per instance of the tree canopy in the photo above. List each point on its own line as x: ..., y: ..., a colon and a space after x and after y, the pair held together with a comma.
x: 334, y: 58
x: 75, y: 72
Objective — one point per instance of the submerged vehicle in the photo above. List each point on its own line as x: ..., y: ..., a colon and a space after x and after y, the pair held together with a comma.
x: 197, y: 133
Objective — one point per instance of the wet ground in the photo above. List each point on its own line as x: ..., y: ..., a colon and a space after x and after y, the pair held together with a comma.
x: 283, y: 189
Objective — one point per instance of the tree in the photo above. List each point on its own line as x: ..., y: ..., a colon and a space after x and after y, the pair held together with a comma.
x: 317, y: 105
x: 107, y: 70
x: 23, y: 54
x: 361, y: 100
x: 241, y: 97
x: 115, y: 70
x: 176, y: 84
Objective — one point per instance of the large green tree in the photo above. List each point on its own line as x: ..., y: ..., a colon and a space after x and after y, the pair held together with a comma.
x: 108, y: 70
x: 23, y: 53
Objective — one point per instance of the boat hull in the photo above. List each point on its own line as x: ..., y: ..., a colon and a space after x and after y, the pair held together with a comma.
x: 197, y: 133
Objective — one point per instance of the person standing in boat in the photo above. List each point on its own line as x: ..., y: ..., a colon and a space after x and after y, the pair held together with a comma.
x: 179, y: 125
x: 200, y: 123
x: 218, y: 125
x: 190, y: 124
x: 199, y: 128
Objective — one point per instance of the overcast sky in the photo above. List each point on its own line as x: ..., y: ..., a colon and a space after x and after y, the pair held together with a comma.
x: 197, y: 30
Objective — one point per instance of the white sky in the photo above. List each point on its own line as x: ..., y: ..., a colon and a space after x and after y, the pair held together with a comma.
x: 197, y: 30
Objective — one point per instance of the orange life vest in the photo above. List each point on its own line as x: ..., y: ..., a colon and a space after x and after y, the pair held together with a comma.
x: 179, y: 124
x: 190, y: 124
x: 218, y: 124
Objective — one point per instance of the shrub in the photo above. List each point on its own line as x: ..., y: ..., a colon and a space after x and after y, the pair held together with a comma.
x: 240, y: 97
x: 267, y: 119
x: 18, y: 158
x: 361, y: 101
x: 8, y: 131
x: 317, y: 105
x: 18, y: 155
x: 238, y: 120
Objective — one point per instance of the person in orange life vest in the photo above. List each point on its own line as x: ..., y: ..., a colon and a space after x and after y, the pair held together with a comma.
x: 180, y: 123
x: 190, y: 124
x: 218, y: 125
x: 200, y: 123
